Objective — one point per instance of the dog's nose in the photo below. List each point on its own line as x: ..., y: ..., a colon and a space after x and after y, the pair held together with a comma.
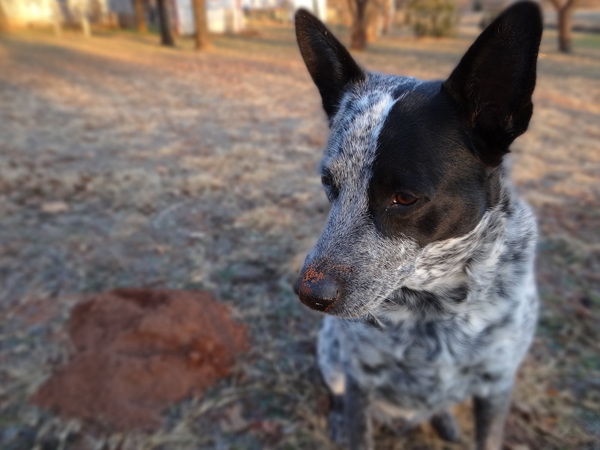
x: 317, y: 291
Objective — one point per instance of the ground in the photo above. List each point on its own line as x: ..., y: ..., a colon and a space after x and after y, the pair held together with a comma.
x: 124, y: 164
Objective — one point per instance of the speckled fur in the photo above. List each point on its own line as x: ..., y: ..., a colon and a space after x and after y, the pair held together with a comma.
x: 446, y: 322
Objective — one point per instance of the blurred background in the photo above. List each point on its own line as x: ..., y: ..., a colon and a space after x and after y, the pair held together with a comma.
x: 171, y: 146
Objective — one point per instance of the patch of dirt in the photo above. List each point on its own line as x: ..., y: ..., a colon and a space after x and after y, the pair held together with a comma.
x: 137, y: 351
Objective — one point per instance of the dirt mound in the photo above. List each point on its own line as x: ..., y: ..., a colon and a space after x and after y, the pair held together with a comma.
x: 139, y: 350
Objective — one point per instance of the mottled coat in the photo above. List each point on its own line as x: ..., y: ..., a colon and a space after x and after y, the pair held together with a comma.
x: 426, y: 263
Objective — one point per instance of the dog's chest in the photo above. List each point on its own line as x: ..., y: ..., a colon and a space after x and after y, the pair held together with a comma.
x: 425, y: 367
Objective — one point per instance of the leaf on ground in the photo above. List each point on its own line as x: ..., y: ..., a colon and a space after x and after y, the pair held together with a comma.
x: 268, y: 430
x: 233, y: 421
x: 54, y: 207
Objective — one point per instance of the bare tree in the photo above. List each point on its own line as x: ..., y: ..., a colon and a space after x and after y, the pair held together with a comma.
x: 358, y: 28
x: 201, y: 25
x: 3, y: 18
x: 57, y: 17
x: 564, y: 10
x: 388, y: 12
x: 140, y: 15
x: 166, y: 36
x: 85, y: 25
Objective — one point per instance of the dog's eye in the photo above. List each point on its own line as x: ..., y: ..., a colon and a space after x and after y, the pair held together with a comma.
x: 326, y: 180
x: 404, y: 199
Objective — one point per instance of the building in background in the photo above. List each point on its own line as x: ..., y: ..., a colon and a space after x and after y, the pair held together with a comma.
x: 20, y: 13
x: 227, y: 16
x: 223, y: 16
x: 28, y: 12
x: 317, y: 7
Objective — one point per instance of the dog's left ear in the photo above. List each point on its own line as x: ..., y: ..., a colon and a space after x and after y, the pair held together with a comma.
x: 494, y: 81
x: 327, y: 60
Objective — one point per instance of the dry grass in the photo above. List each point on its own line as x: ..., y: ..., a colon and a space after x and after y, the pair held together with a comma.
x: 125, y: 164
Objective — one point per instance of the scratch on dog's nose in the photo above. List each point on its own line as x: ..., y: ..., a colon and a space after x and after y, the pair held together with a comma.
x: 312, y: 275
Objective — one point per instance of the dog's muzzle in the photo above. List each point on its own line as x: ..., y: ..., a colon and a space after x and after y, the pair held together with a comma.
x: 317, y: 289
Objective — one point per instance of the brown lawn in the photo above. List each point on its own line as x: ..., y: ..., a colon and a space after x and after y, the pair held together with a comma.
x: 126, y: 164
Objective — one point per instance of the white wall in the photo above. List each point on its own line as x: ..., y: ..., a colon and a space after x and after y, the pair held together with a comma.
x: 21, y: 12
x: 222, y: 15
x: 311, y: 5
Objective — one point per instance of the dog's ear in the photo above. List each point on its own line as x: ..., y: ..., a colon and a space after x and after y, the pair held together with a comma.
x: 494, y: 81
x: 327, y: 60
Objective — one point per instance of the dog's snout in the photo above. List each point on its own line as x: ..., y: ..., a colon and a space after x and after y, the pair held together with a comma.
x: 317, y: 290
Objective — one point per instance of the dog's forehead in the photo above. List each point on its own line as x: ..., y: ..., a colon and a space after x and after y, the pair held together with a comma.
x: 356, y: 127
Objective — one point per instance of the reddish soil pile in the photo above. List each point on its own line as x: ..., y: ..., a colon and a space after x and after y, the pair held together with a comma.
x: 139, y: 350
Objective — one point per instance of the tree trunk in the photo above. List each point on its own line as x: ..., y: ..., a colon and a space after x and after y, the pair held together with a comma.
x: 3, y: 19
x: 564, y: 13
x: 85, y: 25
x: 56, y: 18
x: 166, y: 36
x: 389, y: 12
x: 358, y: 29
x: 201, y: 25
x: 564, y: 29
x: 140, y: 15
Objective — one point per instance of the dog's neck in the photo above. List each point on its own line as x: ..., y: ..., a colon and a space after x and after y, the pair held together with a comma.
x: 443, y: 265
x: 456, y: 272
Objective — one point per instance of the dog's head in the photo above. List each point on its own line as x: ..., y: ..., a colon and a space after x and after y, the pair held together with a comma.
x: 410, y: 165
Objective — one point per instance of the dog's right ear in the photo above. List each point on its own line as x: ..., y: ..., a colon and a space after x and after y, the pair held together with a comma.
x: 327, y: 60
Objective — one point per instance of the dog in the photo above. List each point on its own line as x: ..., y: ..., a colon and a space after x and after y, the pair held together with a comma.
x: 425, y: 267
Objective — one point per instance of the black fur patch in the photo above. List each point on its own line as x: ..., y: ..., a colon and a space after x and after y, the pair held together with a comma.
x: 423, y: 151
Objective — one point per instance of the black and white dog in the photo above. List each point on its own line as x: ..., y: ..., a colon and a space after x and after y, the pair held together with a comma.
x: 426, y: 264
